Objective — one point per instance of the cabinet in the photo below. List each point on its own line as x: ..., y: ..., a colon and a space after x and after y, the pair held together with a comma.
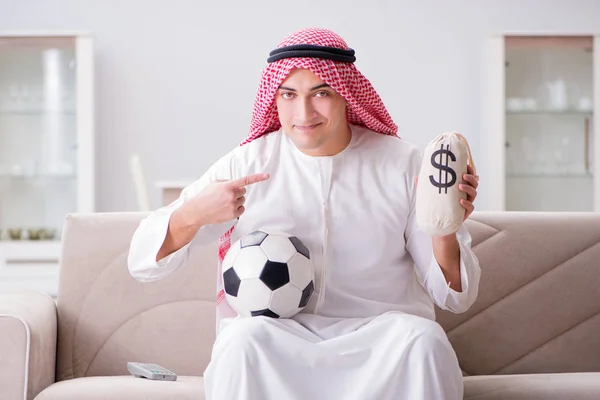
x: 541, y: 104
x: 46, y: 150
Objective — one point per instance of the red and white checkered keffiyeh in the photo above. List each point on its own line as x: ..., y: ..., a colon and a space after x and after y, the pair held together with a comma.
x: 365, y: 107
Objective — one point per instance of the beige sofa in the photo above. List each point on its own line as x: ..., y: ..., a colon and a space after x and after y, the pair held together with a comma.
x: 534, y: 332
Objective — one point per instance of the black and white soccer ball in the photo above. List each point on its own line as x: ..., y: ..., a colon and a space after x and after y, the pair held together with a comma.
x: 268, y: 274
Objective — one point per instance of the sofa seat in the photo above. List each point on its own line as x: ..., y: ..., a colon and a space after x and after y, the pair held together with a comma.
x: 572, y: 386
x: 125, y: 388
x: 562, y: 386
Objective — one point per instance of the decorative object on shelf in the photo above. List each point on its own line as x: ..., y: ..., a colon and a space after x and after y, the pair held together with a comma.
x: 517, y: 104
x: 34, y: 234
x: 558, y: 95
x: 530, y: 104
x: 139, y: 182
x: 47, y: 234
x: 514, y: 104
x: 585, y: 104
x: 15, y: 233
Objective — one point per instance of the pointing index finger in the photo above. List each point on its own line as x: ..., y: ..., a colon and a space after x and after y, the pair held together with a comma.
x: 248, y: 180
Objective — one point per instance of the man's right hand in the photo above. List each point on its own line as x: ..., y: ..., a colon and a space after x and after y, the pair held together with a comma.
x: 221, y: 201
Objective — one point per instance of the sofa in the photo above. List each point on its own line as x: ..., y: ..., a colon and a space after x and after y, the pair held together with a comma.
x: 533, y: 332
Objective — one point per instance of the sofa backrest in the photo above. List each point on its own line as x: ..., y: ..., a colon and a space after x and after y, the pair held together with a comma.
x: 537, y: 309
x: 539, y: 298
x: 107, y: 318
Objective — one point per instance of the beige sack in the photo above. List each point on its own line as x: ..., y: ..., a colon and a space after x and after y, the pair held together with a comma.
x: 438, y: 207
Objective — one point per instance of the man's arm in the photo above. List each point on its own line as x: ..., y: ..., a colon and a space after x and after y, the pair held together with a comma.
x: 447, y: 254
x: 219, y: 202
x: 446, y: 248
x: 180, y: 232
x: 160, y: 242
x: 447, y: 266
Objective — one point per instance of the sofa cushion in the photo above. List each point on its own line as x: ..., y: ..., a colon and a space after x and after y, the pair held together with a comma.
x: 126, y: 388
x: 572, y: 386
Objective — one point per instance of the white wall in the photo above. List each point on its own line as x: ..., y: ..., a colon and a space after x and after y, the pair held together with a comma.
x: 176, y: 80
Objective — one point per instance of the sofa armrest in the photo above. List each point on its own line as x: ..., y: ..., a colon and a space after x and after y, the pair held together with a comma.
x: 28, y: 330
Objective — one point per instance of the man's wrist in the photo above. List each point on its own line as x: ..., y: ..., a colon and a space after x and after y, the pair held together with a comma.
x: 446, y: 239
x: 188, y: 218
x: 446, y: 251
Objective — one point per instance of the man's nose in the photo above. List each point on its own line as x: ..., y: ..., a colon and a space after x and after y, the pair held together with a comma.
x: 306, y: 110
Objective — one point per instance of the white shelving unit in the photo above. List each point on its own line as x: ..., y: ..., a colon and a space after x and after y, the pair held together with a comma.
x: 46, y: 150
x: 541, y: 141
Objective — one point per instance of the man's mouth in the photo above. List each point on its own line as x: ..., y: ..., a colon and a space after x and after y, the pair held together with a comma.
x: 306, y: 127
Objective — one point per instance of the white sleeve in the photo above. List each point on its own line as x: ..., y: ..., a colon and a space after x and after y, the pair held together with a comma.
x: 152, y: 230
x: 419, y: 245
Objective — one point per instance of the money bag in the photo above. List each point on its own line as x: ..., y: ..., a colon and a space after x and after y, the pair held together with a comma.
x: 438, y: 207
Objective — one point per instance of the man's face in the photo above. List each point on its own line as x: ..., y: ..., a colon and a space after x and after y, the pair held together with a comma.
x: 312, y: 114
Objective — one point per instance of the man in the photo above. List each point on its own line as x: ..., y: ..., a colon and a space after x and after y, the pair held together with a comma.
x: 322, y: 162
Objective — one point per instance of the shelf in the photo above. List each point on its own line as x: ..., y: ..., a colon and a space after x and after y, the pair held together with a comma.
x: 585, y: 113
x: 550, y: 175
x: 35, y: 113
x: 180, y: 184
x: 41, y: 277
x: 24, y: 176
x: 29, y: 250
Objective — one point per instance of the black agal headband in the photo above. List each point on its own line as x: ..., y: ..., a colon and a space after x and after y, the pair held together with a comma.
x: 313, y: 51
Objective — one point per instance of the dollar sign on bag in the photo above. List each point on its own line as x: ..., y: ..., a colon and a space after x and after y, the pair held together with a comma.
x: 443, y: 167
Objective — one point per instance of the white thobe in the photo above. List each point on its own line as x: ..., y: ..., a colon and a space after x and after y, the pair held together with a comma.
x: 369, y: 330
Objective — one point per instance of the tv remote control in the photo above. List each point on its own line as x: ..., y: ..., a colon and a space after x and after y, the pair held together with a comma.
x: 150, y: 371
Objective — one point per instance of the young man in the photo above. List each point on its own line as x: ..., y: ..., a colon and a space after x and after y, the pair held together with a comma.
x: 322, y: 162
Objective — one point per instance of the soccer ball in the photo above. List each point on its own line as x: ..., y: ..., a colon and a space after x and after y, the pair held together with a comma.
x: 268, y: 274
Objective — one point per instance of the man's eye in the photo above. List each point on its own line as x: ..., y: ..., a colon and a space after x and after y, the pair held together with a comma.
x: 287, y: 95
x: 322, y: 94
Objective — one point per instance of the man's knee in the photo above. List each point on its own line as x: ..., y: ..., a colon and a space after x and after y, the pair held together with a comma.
x: 422, y: 332
x: 431, y: 343
x: 431, y: 332
x: 244, y: 333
